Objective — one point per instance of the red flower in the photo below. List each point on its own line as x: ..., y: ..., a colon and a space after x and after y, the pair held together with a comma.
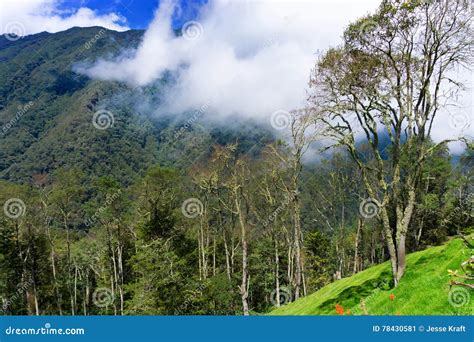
x: 339, y: 309
x: 392, y: 297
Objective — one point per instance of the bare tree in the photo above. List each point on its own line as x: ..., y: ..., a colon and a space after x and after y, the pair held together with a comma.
x: 303, y: 132
x: 392, y: 77
x: 236, y: 183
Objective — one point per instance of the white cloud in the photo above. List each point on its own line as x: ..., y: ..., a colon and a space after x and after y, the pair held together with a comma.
x: 251, y: 58
x: 24, y: 17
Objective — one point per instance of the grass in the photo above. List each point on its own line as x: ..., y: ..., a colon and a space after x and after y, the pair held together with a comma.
x: 423, y: 290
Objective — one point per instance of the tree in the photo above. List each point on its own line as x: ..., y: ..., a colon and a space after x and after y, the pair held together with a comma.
x: 428, y: 228
x: 158, y: 279
x: 304, y: 131
x: 157, y: 199
x: 331, y: 194
x: 319, y: 254
x: 391, y: 78
x: 236, y: 180
x: 66, y: 197
x: 459, y: 210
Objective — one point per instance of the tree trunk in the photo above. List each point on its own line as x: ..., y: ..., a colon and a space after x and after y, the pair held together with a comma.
x: 86, y: 296
x: 227, y: 256
x: 199, y: 255
x: 402, y: 230
x: 244, y: 284
x: 214, y: 255
x: 55, y: 282
x: 75, y: 286
x: 121, y: 277
x: 203, y: 244
x: 290, y: 260
x: 397, y: 248
x: 277, y: 274
x: 297, y: 245
x: 356, y: 247
x: 69, y: 267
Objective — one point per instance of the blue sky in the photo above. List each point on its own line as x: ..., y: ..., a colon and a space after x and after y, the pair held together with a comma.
x: 139, y: 13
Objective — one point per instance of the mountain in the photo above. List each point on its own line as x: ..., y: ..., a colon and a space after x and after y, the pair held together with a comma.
x: 47, y: 110
x: 424, y: 289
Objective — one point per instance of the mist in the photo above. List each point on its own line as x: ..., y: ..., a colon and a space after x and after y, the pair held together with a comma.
x: 247, y: 60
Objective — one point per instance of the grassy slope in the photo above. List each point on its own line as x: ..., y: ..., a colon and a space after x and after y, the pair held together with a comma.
x: 423, y: 290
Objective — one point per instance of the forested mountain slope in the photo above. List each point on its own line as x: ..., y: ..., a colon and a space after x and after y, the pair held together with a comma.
x: 150, y: 212
x: 47, y: 110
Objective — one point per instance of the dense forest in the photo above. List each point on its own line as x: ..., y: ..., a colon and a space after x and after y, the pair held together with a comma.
x: 106, y: 210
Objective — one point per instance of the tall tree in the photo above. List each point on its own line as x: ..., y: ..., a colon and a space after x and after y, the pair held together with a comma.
x: 66, y: 196
x: 392, y: 77
x: 304, y: 130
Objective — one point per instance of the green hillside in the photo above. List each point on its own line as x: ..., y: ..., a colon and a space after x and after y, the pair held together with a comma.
x: 423, y: 290
x: 47, y: 110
